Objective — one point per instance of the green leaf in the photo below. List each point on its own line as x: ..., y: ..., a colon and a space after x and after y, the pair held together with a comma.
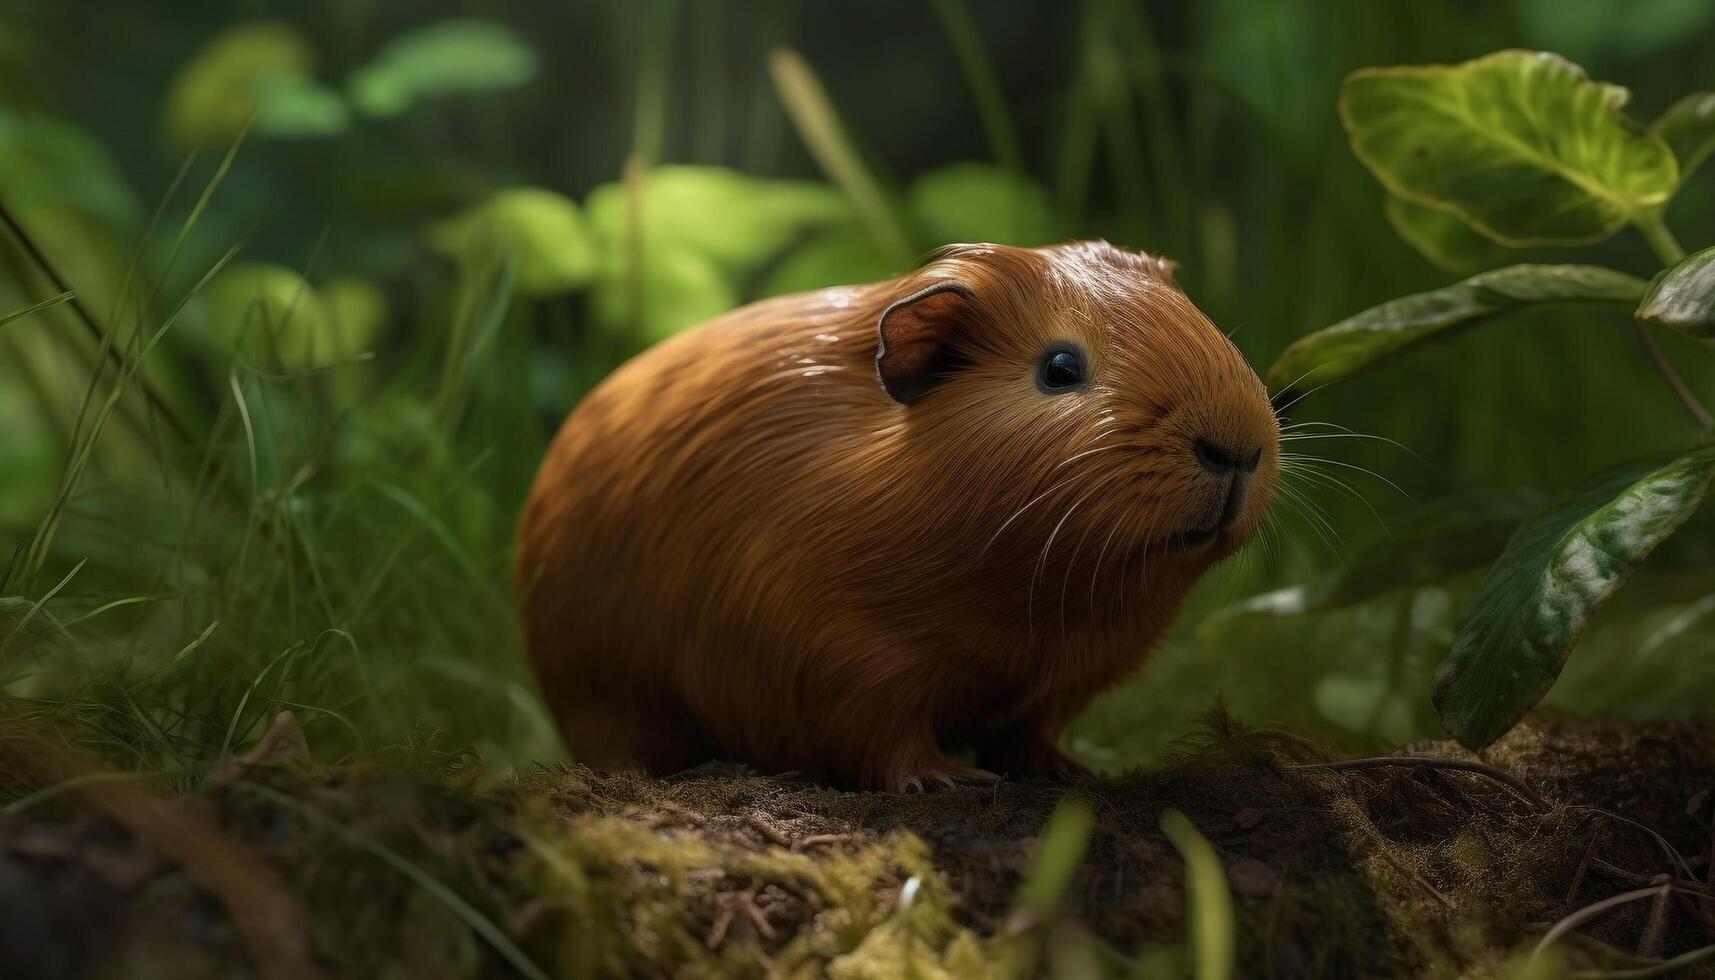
x: 1356, y: 342
x: 215, y: 94
x: 980, y: 202
x: 264, y: 312
x: 1688, y: 127
x: 1443, y: 239
x: 1539, y: 596
x: 1683, y: 297
x: 680, y: 288
x: 294, y: 106
x: 453, y: 57
x: 1521, y: 145
x: 733, y: 219
x: 543, y: 231
x: 838, y: 256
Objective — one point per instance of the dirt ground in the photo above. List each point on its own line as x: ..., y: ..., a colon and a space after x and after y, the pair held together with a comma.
x: 1430, y: 863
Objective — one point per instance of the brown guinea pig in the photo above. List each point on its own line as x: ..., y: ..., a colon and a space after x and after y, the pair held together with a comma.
x: 851, y: 531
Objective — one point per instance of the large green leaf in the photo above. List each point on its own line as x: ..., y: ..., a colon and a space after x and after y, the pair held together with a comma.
x: 1557, y: 570
x: 1520, y: 144
x: 980, y: 202
x: 678, y: 288
x: 544, y: 232
x: 1358, y: 341
x: 1683, y: 297
x: 452, y: 57
x: 735, y: 220
x: 1688, y: 126
x: 1442, y: 238
x: 839, y: 255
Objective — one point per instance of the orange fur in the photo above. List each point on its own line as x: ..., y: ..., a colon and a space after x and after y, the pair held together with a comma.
x: 740, y: 546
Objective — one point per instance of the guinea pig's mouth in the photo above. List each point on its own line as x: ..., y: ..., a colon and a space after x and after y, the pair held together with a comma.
x: 1220, y: 523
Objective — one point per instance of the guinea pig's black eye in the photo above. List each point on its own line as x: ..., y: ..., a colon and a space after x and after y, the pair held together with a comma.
x: 1062, y: 369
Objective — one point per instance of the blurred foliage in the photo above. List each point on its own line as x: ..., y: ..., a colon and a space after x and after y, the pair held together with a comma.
x: 448, y: 228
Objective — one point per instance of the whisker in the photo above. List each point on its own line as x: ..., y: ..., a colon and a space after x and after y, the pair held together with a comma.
x: 1351, y: 466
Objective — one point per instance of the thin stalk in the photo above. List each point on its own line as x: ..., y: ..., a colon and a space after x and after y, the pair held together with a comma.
x: 1667, y: 248
x: 985, y: 84
x: 156, y: 402
x: 649, y: 127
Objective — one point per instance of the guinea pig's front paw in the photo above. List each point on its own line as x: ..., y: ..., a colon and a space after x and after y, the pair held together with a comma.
x: 938, y: 773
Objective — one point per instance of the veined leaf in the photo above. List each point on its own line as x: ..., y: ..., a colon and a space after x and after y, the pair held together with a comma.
x: 1442, y: 238
x: 1521, y: 145
x: 1688, y: 128
x: 1354, y: 343
x: 1556, y: 572
x: 1683, y: 297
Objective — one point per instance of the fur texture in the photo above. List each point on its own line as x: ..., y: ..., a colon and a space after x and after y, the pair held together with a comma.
x: 741, y: 546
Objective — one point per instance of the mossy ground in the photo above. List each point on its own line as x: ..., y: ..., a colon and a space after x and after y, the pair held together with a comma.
x: 1402, y: 870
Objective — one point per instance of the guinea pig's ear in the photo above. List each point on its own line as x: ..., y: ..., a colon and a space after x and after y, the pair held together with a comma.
x: 1161, y: 267
x: 914, y: 346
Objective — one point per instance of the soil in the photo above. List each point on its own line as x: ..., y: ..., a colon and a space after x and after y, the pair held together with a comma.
x: 1433, y: 862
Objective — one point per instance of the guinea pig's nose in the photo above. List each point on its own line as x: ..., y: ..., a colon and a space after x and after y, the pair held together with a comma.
x: 1221, y: 460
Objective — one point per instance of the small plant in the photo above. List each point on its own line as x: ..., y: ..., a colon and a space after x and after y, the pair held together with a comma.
x: 1520, y: 150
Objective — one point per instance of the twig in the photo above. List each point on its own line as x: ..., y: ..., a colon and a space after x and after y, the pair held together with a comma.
x: 1594, y: 909
x: 1386, y: 762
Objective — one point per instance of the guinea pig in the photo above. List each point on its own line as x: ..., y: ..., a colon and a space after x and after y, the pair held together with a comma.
x: 856, y: 532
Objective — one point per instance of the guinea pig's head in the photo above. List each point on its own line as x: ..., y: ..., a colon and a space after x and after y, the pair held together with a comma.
x: 1089, y: 399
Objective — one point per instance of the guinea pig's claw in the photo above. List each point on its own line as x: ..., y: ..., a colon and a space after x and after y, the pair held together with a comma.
x: 945, y: 781
x: 911, y: 787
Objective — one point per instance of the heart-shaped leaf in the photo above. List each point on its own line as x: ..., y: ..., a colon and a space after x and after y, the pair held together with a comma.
x: 1443, y: 239
x: 1688, y: 127
x: 1683, y: 297
x: 1556, y: 572
x: 1358, y: 341
x: 1521, y: 145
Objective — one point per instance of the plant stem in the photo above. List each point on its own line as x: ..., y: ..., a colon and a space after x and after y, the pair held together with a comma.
x: 985, y: 85
x: 1667, y: 248
x: 1661, y: 240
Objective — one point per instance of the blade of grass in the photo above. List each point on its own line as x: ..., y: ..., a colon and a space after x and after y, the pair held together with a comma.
x: 813, y: 115
x: 36, y: 308
x: 1059, y: 851
x: 1209, y: 901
